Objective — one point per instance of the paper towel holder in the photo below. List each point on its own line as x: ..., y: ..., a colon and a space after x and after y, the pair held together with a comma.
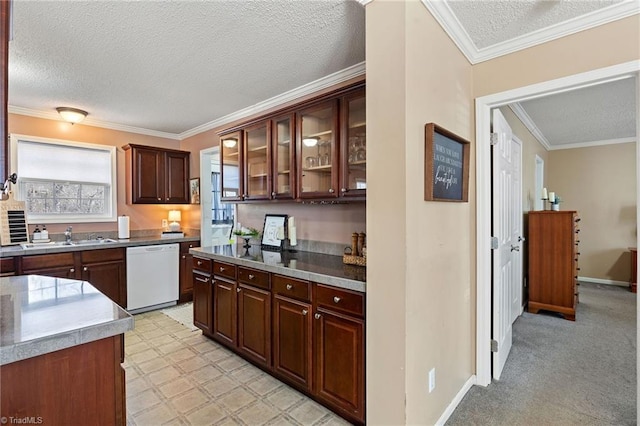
x: 123, y: 227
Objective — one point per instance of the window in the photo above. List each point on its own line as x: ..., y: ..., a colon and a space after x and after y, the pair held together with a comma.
x: 64, y: 181
x: 221, y: 213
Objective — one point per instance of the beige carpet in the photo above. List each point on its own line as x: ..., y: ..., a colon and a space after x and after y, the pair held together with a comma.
x: 183, y: 314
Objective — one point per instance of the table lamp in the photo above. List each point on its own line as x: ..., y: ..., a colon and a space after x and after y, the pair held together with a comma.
x: 174, y: 217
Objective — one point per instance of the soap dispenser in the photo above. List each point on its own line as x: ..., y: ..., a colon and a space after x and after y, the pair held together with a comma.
x: 36, y: 233
x: 44, y: 234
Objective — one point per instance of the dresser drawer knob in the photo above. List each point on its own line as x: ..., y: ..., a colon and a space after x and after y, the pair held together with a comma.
x: 289, y: 286
x: 336, y: 299
x: 251, y: 276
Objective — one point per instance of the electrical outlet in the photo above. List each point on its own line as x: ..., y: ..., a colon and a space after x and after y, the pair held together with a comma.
x: 165, y: 223
x: 432, y: 379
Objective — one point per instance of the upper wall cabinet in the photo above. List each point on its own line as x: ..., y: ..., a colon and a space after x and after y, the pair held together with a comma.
x: 311, y: 151
x: 156, y: 175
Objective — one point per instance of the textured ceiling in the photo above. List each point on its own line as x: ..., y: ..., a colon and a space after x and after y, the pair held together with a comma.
x: 491, y: 22
x: 594, y: 115
x: 171, y: 66
x: 175, y: 66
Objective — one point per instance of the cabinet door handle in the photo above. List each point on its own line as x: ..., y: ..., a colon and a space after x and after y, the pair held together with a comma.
x: 167, y: 199
x: 202, y: 280
x: 305, y: 312
x: 336, y: 299
x: 184, y: 257
x: 317, y: 316
x: 331, y: 191
x: 86, y: 268
x: 159, y: 199
x: 72, y: 270
x: 289, y: 286
x: 238, y: 290
x: 343, y: 190
x: 273, y: 194
x: 251, y: 276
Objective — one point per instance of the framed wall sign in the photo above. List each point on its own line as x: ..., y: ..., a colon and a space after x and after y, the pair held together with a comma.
x: 272, y: 224
x: 194, y: 189
x: 446, y: 165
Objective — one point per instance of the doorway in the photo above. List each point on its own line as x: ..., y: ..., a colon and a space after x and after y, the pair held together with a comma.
x: 217, y: 219
x: 484, y: 105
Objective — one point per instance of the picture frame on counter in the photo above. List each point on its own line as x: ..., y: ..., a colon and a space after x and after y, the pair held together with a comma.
x: 446, y: 165
x: 274, y: 231
x: 194, y: 190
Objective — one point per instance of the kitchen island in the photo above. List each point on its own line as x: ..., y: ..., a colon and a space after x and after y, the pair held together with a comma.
x: 61, y: 349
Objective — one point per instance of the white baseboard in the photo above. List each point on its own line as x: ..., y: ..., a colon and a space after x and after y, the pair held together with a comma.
x: 602, y: 281
x: 456, y: 401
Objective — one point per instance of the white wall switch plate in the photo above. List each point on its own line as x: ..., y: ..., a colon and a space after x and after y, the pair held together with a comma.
x: 165, y: 223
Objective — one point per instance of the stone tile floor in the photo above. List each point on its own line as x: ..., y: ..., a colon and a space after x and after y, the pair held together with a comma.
x: 176, y: 376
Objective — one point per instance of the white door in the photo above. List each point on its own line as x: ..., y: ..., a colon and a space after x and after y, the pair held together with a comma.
x: 507, y: 229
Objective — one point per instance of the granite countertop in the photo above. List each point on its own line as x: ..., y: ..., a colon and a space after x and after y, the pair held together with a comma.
x: 17, y: 250
x: 41, y: 314
x: 316, y: 267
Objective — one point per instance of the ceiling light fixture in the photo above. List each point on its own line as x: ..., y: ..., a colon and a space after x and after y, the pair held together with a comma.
x: 229, y: 143
x: 72, y: 115
x: 310, y: 141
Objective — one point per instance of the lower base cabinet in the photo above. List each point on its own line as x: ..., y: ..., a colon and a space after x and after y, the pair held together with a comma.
x: 311, y: 336
x: 81, y: 385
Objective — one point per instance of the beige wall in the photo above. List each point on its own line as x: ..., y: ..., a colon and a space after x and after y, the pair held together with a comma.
x: 419, y: 295
x: 141, y: 216
x: 600, y: 183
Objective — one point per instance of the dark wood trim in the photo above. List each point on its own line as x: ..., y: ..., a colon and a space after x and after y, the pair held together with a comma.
x: 5, y: 20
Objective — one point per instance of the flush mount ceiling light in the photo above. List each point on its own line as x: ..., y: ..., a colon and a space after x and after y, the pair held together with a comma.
x: 229, y: 143
x: 310, y: 141
x: 72, y: 115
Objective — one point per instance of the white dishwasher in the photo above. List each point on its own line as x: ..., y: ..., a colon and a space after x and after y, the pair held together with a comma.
x: 152, y: 277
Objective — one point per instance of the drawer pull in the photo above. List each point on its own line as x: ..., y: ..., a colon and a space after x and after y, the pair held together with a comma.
x: 273, y: 193
x: 199, y: 262
x: 221, y: 269
x: 305, y: 312
x: 86, y: 268
x: 202, y: 280
x: 289, y: 286
x: 251, y: 276
x: 238, y: 290
x: 72, y: 270
x: 184, y: 257
x: 317, y: 316
x: 336, y: 299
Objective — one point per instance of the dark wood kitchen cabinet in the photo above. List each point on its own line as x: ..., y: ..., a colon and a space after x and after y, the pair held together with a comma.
x: 106, y: 270
x: 202, y: 295
x: 186, y: 271
x: 225, y: 303
x: 157, y: 176
x: 339, y: 351
x: 254, y: 315
x: 292, y: 331
x: 60, y: 265
x: 7, y: 266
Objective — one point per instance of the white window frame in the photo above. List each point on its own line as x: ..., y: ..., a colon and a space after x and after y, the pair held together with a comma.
x: 110, y: 216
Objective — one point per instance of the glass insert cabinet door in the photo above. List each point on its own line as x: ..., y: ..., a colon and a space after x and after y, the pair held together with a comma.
x: 256, y: 162
x: 317, y: 126
x: 283, y: 160
x: 230, y: 166
x: 354, y: 149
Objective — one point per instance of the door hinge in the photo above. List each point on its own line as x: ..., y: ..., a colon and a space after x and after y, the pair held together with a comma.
x: 494, y: 346
x: 494, y: 138
x: 494, y: 243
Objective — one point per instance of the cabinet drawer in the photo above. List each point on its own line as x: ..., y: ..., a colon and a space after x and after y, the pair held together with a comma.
x: 340, y: 299
x: 253, y: 277
x: 47, y: 261
x: 101, y: 255
x: 291, y: 287
x: 224, y: 269
x: 7, y: 266
x: 203, y: 265
x: 186, y: 245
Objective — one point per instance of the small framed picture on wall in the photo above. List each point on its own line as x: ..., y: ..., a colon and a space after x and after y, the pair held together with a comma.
x: 194, y: 190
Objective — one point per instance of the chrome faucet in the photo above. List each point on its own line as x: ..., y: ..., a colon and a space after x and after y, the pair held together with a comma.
x: 67, y: 235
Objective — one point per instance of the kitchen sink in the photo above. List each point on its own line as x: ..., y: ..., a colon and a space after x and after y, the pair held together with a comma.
x: 71, y: 243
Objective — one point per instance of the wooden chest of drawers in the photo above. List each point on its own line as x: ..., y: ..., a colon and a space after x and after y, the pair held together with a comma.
x: 553, y: 262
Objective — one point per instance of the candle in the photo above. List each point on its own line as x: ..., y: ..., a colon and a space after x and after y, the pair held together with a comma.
x: 545, y: 195
x: 292, y: 236
x: 291, y: 223
x: 552, y: 197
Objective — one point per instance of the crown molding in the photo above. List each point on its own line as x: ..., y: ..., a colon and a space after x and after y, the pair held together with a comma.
x: 346, y: 74
x: 517, y: 109
x: 51, y: 115
x: 447, y: 19
x: 593, y: 143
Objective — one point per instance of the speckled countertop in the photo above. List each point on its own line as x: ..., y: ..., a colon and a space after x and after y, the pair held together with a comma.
x: 41, y: 314
x: 45, y: 248
x: 316, y: 267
